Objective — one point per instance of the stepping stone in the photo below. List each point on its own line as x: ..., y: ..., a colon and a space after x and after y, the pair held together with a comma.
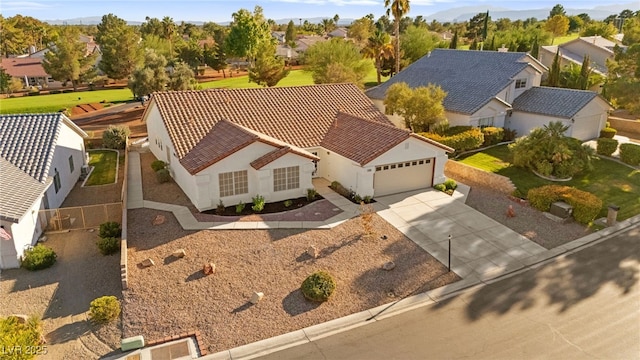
x: 256, y: 297
x: 389, y: 266
x: 148, y: 262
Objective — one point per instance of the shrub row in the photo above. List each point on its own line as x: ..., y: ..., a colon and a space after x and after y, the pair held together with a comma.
x: 109, y: 242
x: 350, y: 194
x: 606, y: 146
x: 586, y: 206
x: 492, y: 135
x: 467, y: 140
x: 630, y: 154
x: 608, y: 133
x: 448, y: 186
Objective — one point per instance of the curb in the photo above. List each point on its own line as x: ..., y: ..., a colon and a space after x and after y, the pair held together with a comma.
x: 336, y: 326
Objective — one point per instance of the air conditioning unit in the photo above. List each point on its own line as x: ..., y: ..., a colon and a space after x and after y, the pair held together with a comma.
x: 84, y: 171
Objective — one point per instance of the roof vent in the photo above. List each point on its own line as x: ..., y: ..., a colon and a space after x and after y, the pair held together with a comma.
x: 503, y: 49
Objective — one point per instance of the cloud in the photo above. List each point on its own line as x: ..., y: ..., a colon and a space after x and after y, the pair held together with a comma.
x: 23, y: 5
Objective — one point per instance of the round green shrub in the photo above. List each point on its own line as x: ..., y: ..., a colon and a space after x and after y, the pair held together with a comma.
x: 158, y: 165
x: 110, y: 229
x: 440, y: 187
x: 608, y: 133
x: 163, y: 176
x: 104, y: 309
x: 39, y: 257
x: 450, y: 184
x: 318, y: 286
x: 606, y: 146
x: 108, y: 245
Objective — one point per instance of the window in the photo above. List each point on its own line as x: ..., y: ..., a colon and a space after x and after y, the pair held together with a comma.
x: 286, y: 178
x: 487, y: 121
x: 378, y: 168
x: 71, y: 164
x: 233, y: 183
x: 521, y: 83
x: 414, y: 163
x: 56, y: 181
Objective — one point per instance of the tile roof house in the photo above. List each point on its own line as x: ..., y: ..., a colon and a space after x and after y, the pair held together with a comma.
x: 598, y: 48
x: 483, y: 87
x: 232, y: 144
x: 41, y: 156
x: 28, y: 70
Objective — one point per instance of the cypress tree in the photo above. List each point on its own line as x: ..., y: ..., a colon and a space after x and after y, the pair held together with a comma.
x: 554, y: 73
x: 454, y: 41
x: 474, y: 45
x: 535, y: 48
x: 585, y: 71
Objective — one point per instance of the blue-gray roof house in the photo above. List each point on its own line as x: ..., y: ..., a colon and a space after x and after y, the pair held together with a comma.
x: 41, y: 156
x: 483, y: 88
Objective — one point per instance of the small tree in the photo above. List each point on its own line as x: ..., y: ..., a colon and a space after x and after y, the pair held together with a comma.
x: 554, y: 72
x: 558, y: 25
x: 115, y: 137
x: 454, y: 41
x: 151, y: 77
x: 336, y: 60
x: 290, y: 34
x: 182, y: 78
x: 267, y: 70
x: 421, y: 107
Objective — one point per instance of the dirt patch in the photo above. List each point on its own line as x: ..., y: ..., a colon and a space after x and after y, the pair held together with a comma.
x: 61, y: 296
x: 153, y: 190
x: 94, y: 123
x: 174, y: 296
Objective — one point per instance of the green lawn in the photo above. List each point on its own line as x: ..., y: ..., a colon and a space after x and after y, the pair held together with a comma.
x: 295, y: 78
x: 57, y: 102
x: 563, y: 39
x: 610, y: 181
x: 105, y: 164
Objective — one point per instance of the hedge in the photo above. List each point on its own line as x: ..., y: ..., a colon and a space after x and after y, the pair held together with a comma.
x: 467, y: 140
x: 586, y: 206
x: 630, y: 154
x: 608, y: 133
x: 492, y: 135
x: 606, y: 146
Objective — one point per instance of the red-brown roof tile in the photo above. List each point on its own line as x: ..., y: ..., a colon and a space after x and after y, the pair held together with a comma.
x: 299, y: 116
x: 20, y: 67
x: 274, y: 155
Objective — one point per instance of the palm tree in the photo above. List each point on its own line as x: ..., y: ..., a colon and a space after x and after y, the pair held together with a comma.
x: 397, y: 8
x: 169, y: 29
x: 378, y: 48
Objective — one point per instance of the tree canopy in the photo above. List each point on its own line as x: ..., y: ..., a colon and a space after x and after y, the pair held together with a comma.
x: 246, y: 31
x: 335, y: 61
x: 267, y: 70
x: 421, y: 107
x: 66, y: 60
x: 119, y: 46
x: 150, y: 77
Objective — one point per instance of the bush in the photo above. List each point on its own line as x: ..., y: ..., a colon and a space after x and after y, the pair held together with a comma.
x: 450, y: 184
x: 606, y: 146
x: 367, y: 199
x: 158, y: 165
x: 110, y: 229
x: 26, y: 334
x: 586, y: 206
x: 630, y: 154
x: 492, y: 135
x: 509, y: 135
x: 440, y: 187
x: 460, y: 141
x: 108, y: 245
x: 258, y: 203
x: 115, y: 137
x: 163, y: 176
x: 288, y: 203
x: 318, y: 286
x: 104, y: 309
x: 334, y: 185
x: 239, y: 207
x: 220, y: 208
x: 39, y: 257
x: 608, y: 133
x: 311, y: 194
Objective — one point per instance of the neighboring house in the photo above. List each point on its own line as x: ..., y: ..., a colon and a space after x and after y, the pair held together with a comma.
x: 305, y: 42
x: 232, y: 144
x: 339, y: 33
x: 598, y: 48
x: 445, y: 35
x: 483, y: 88
x: 41, y: 156
x: 287, y: 53
x: 29, y: 71
x: 279, y: 36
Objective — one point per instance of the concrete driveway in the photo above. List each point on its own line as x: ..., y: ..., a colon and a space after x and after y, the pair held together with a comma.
x: 480, y: 246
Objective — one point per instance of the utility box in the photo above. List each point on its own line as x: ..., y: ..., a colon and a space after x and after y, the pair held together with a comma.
x: 132, y: 343
x: 561, y: 209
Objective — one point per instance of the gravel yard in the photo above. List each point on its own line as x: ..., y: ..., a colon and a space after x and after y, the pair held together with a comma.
x: 175, y: 297
x: 528, y: 221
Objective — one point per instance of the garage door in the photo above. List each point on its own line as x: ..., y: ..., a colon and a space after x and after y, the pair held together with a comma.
x: 405, y: 176
x: 586, y: 128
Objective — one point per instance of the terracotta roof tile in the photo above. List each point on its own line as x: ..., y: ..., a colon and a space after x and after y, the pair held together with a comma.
x: 299, y: 115
x: 269, y: 157
x: 20, y: 67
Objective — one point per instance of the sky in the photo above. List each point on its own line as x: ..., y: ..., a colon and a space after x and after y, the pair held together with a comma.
x: 221, y: 10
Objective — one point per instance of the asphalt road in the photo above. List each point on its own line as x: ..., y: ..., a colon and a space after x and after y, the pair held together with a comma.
x: 583, y: 306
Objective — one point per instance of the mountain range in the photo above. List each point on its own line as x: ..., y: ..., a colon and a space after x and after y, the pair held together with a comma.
x: 458, y: 14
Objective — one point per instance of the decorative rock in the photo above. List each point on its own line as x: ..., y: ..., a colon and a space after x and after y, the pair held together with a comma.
x: 256, y: 297
x: 389, y: 266
x: 148, y: 262
x: 209, y: 268
x: 180, y: 253
x: 313, y: 251
x: 510, y: 212
x: 160, y: 219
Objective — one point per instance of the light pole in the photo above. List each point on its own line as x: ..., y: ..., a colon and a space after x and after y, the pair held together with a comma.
x: 449, y: 264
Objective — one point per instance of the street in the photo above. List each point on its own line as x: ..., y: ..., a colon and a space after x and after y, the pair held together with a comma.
x: 585, y: 305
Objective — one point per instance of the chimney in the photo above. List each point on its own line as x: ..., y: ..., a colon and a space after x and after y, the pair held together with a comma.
x: 503, y: 49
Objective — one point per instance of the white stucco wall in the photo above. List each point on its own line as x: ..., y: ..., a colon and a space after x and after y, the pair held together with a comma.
x: 523, y: 122
x: 25, y: 232
x: 398, y: 121
x: 70, y: 143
